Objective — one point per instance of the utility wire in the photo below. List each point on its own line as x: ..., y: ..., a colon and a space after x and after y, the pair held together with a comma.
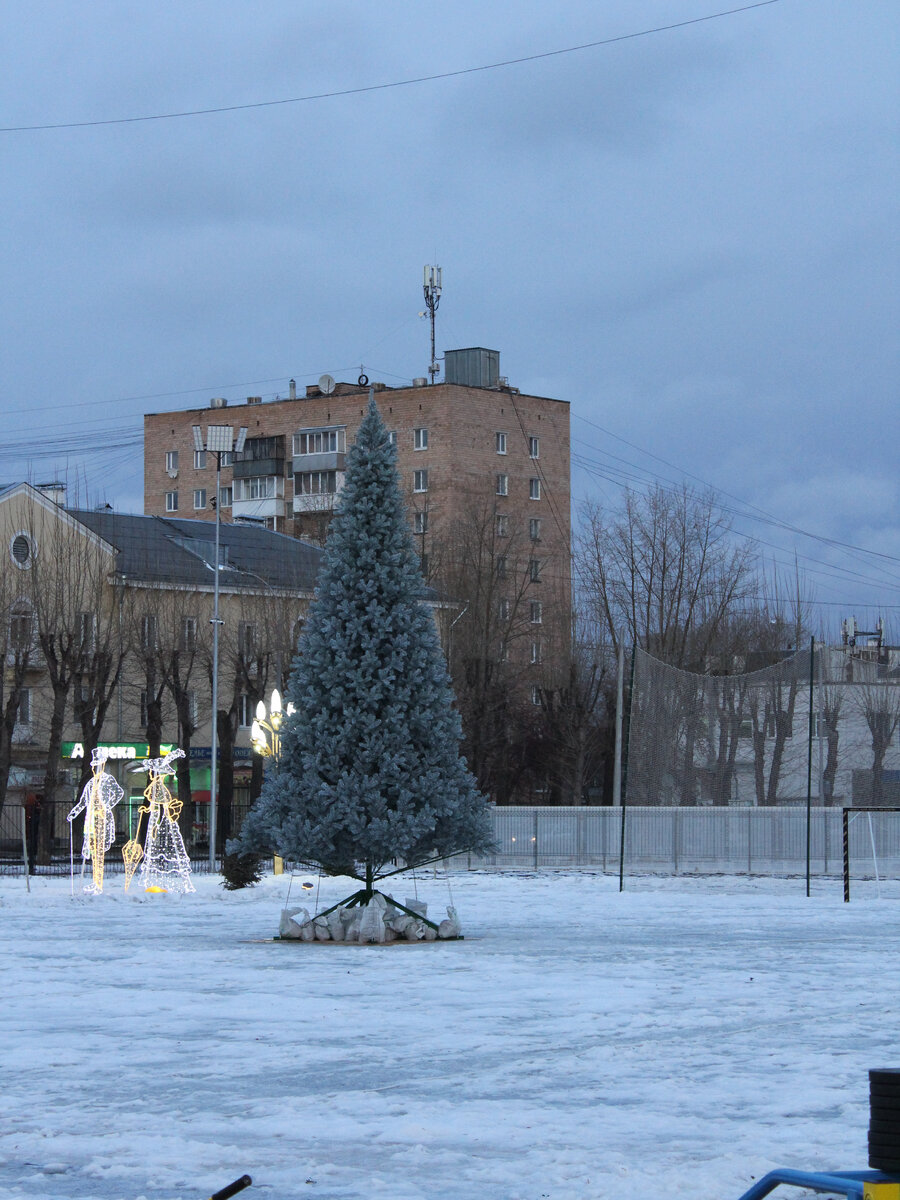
x: 398, y: 83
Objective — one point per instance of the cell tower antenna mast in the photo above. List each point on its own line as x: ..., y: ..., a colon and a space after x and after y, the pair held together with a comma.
x: 432, y: 289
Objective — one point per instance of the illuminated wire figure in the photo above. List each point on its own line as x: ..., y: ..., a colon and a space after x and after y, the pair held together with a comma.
x: 165, y: 864
x: 100, y: 796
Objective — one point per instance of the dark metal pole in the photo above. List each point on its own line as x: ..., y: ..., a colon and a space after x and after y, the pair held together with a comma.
x: 812, y: 684
x: 627, y: 735
x: 845, y: 834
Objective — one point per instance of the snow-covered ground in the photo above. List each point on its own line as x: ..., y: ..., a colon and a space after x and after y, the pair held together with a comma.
x: 672, y: 1041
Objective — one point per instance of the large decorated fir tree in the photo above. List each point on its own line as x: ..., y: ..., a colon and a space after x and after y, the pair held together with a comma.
x: 369, y: 770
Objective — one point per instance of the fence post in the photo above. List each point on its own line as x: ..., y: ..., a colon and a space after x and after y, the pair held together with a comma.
x: 812, y: 685
x: 845, y: 832
x: 676, y: 825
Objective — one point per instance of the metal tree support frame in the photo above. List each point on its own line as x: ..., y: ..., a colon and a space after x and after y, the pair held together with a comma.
x: 365, y: 894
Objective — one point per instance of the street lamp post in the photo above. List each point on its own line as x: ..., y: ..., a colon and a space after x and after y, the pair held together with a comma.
x: 220, y: 439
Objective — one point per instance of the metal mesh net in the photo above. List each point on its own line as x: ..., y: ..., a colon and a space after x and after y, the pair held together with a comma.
x: 819, y: 724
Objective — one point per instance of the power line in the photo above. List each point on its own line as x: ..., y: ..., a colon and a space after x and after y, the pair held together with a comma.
x: 751, y: 508
x: 398, y: 83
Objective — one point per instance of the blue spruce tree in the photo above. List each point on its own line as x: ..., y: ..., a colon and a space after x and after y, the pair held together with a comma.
x: 369, y: 768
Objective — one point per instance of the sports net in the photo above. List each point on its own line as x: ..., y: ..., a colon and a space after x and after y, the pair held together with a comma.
x: 742, y: 738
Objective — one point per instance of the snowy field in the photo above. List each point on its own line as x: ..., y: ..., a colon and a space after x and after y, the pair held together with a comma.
x: 677, y: 1040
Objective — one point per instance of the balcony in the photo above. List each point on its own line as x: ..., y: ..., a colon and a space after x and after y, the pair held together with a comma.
x: 327, y: 460
x: 260, y: 456
x: 252, y: 468
x: 322, y: 502
x: 270, y: 506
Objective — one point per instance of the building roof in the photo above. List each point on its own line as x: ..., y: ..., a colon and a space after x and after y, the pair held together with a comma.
x: 166, y: 550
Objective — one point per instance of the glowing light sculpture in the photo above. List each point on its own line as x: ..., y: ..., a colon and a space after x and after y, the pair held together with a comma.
x: 99, y: 797
x: 165, y: 865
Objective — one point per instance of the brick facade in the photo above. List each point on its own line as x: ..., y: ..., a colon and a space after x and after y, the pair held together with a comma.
x: 461, y: 460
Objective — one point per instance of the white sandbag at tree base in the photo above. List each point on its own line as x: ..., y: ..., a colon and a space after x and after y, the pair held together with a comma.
x: 450, y: 927
x: 321, y: 930
x: 371, y: 924
x: 335, y: 925
x: 416, y: 906
x: 288, y: 927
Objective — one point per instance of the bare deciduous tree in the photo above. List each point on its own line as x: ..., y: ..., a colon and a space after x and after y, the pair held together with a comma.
x: 665, y: 569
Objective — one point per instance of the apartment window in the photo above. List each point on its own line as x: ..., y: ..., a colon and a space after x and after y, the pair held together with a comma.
x: 392, y: 437
x: 315, y: 483
x: 189, y: 633
x: 149, y: 632
x: 503, y: 609
x: 534, y: 489
x: 81, y: 698
x: 298, y: 630
x: 199, y: 460
x: 257, y: 487
x: 534, y: 447
x: 535, y: 695
x: 144, y: 713
x: 23, y: 713
x: 501, y: 566
x: 423, y: 564
x: 534, y: 570
x: 246, y: 711
x: 537, y: 612
x: 86, y: 631
x: 535, y: 652
x: 21, y: 627
x: 502, y: 525
x: 320, y: 441
x: 504, y: 651
x: 247, y: 637
x: 420, y: 439
x: 225, y: 496
x: 534, y: 529
x: 171, y: 502
x: 420, y: 481
x: 226, y: 458
x: 502, y: 485
x: 199, y: 497
x: 172, y: 461
x: 420, y: 522
x: 500, y: 443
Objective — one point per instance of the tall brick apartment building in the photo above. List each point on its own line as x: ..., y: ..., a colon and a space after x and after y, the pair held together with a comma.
x: 485, y: 469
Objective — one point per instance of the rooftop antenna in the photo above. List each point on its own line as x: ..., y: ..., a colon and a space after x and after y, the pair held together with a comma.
x: 432, y: 289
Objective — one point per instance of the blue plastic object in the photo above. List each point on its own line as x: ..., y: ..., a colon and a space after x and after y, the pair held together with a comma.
x: 844, y: 1183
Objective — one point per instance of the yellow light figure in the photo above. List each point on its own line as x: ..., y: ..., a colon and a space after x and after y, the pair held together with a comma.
x: 133, y: 851
x: 98, y: 798
x: 165, y: 865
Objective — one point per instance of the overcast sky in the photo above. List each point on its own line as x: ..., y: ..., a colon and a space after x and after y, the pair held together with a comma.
x: 692, y: 236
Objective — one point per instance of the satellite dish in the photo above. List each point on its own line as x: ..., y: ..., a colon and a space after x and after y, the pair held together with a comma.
x: 326, y: 384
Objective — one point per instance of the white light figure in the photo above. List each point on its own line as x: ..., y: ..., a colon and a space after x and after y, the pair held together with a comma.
x: 165, y: 865
x: 99, y: 797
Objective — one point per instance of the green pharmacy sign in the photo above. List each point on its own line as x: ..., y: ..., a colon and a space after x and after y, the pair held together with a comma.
x: 124, y: 750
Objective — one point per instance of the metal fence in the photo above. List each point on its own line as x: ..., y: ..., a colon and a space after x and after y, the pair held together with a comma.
x: 701, y: 840
x: 763, y: 841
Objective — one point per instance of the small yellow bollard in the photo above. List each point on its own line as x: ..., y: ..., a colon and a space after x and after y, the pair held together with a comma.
x: 882, y: 1191
x: 278, y: 864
